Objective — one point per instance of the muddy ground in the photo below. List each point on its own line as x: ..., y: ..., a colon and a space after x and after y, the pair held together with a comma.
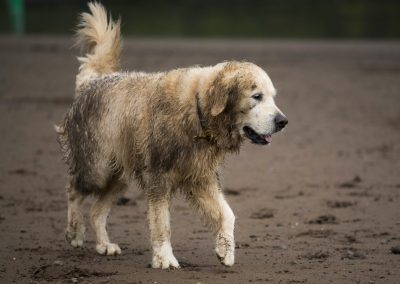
x: 321, y: 204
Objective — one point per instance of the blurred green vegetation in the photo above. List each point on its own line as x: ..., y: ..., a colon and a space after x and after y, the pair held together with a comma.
x: 223, y: 18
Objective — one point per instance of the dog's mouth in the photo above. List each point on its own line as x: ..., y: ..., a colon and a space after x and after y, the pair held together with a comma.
x: 261, y: 139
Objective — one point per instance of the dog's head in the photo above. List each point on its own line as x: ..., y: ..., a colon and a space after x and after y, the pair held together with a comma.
x: 241, y: 98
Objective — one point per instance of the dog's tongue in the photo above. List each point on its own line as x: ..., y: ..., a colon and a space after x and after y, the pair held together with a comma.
x: 268, y: 138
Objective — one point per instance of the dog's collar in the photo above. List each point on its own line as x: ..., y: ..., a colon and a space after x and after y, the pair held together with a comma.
x: 203, y: 122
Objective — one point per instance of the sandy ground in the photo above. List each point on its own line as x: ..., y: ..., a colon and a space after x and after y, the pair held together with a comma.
x: 321, y: 204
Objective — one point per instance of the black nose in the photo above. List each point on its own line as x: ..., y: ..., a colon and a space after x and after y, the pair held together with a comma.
x: 280, y: 121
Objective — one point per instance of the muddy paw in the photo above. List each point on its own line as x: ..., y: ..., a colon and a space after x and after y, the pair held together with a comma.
x: 164, y: 261
x: 164, y: 258
x: 74, y: 239
x: 77, y: 243
x: 108, y: 249
x: 225, y: 250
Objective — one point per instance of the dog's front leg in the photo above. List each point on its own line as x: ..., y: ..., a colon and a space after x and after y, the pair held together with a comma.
x: 225, y: 242
x: 219, y: 216
x: 159, y: 220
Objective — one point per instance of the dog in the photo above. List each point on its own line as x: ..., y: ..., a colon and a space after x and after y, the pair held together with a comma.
x: 169, y: 131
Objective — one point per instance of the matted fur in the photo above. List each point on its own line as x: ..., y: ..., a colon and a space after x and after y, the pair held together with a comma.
x: 169, y: 131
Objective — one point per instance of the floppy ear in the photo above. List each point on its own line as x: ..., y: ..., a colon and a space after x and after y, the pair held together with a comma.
x: 219, y: 92
x: 218, y: 100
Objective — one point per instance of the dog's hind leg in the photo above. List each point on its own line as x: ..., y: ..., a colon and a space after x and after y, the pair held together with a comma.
x: 159, y: 220
x: 75, y: 232
x: 213, y: 207
x: 98, y: 216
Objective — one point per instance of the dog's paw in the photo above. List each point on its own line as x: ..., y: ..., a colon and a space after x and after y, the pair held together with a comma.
x: 74, y: 239
x: 225, y: 250
x: 76, y: 243
x: 164, y: 258
x: 108, y: 249
x: 164, y: 262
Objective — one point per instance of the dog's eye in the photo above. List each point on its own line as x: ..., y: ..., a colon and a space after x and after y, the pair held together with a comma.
x: 257, y: 96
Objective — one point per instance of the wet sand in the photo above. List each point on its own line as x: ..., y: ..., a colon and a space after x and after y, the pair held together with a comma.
x: 321, y: 204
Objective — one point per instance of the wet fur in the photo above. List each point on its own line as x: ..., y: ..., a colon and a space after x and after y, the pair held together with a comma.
x: 146, y: 126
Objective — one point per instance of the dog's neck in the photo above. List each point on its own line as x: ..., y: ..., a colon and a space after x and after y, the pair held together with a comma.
x: 202, y: 121
x: 209, y: 134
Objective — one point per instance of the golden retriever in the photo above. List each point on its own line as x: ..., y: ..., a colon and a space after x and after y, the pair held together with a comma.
x: 169, y: 131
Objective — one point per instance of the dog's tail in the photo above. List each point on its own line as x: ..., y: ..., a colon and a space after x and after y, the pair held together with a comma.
x: 100, y: 38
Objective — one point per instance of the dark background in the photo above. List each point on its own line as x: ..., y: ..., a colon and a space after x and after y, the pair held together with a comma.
x: 223, y: 18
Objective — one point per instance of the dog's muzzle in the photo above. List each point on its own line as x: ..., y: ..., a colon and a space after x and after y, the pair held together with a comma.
x: 280, y: 122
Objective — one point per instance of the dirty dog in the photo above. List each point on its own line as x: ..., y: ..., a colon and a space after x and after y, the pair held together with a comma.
x: 169, y: 131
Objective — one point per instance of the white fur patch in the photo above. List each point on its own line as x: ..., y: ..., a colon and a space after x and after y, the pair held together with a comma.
x: 163, y: 257
x: 261, y: 116
x: 108, y: 249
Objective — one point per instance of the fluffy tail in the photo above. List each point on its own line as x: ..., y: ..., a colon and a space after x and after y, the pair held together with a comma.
x: 100, y: 38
